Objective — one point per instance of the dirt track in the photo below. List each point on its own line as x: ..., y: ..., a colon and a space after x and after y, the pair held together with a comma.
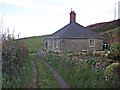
x: 59, y: 79
x: 33, y: 81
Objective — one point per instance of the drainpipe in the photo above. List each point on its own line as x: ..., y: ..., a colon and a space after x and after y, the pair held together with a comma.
x: 53, y: 44
x: 60, y: 44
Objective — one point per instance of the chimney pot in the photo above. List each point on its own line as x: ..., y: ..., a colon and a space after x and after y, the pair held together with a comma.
x: 72, y: 16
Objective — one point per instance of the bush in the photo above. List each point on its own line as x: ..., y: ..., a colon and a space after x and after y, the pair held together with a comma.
x: 109, y: 72
x: 108, y: 62
x: 91, y: 61
x: 112, y: 73
x: 14, y: 53
x: 115, y: 51
x: 117, y: 72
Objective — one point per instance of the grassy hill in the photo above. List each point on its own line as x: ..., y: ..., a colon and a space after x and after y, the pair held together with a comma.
x: 36, y: 42
x: 110, y: 30
x: 105, y: 26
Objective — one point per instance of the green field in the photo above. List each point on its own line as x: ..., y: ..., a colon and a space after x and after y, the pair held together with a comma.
x: 36, y: 42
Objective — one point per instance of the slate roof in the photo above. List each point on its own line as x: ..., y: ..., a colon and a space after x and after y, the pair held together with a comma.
x: 75, y: 30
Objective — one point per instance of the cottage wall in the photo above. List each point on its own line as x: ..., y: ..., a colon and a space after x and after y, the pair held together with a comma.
x: 68, y: 45
x: 49, y: 42
x: 77, y: 45
x: 53, y: 44
x: 80, y: 45
x: 57, y: 45
x: 98, y: 44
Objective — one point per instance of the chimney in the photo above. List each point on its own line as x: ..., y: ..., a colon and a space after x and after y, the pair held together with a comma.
x: 72, y: 16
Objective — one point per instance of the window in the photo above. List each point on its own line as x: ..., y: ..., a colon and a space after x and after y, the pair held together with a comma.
x: 48, y: 42
x: 53, y: 43
x: 92, y: 42
x: 57, y: 42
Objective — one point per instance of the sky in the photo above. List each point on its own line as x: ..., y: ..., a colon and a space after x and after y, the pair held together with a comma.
x: 41, y: 17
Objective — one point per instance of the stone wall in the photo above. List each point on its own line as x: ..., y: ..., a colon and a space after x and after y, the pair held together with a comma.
x: 98, y: 44
x: 68, y: 45
x: 79, y: 45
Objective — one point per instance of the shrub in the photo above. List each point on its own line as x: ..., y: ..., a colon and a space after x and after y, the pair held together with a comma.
x: 108, y: 62
x: 14, y: 52
x: 90, y: 61
x: 117, y: 72
x: 112, y: 73
x: 114, y: 51
x: 109, y: 72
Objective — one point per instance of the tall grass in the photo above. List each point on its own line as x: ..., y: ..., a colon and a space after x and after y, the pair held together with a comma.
x: 80, y: 75
x: 26, y: 74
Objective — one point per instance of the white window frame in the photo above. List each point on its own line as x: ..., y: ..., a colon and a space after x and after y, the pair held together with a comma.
x: 57, y: 43
x: 53, y: 44
x: 92, y: 44
x: 48, y: 42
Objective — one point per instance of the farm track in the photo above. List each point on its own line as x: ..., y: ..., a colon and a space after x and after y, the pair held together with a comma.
x: 59, y: 79
x: 33, y: 81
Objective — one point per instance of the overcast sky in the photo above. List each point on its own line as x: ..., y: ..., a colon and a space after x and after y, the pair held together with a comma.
x: 41, y: 17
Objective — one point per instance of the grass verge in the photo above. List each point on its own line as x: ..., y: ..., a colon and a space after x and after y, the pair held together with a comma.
x: 26, y: 73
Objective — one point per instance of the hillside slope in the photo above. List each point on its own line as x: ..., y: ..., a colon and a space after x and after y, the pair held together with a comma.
x: 110, y: 30
x: 36, y: 42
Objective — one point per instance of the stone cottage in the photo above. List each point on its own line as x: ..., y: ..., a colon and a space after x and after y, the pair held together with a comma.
x: 73, y: 37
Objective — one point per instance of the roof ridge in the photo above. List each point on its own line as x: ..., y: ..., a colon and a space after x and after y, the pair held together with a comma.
x: 73, y: 30
x: 69, y: 25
